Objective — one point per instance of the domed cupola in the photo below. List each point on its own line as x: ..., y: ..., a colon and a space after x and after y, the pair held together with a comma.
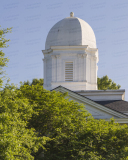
x: 70, y: 55
x: 71, y: 31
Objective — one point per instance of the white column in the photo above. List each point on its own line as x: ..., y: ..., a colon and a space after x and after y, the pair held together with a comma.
x: 85, y: 66
x: 93, y: 70
x: 75, y: 70
x: 45, y: 68
x: 53, y: 68
x: 58, y: 67
x: 79, y: 67
x: 88, y: 69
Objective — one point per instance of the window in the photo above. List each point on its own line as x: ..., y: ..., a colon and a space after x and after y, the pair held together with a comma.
x: 68, y: 71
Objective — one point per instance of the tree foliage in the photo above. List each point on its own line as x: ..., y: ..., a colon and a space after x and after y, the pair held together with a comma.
x: 34, y: 82
x: 56, y: 117
x: 3, y: 41
x: 45, y: 125
x: 74, y: 133
x: 17, y: 142
x: 105, y: 83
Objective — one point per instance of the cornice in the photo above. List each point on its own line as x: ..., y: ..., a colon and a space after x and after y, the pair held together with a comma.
x: 82, y: 55
x: 82, y: 47
x: 69, y: 47
x: 56, y: 56
x: 120, y: 120
x: 85, y: 48
x: 120, y: 91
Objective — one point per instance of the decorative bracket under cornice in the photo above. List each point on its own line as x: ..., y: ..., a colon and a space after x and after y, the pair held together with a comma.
x: 47, y: 51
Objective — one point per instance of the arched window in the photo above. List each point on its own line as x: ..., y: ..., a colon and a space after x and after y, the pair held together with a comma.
x: 68, y: 71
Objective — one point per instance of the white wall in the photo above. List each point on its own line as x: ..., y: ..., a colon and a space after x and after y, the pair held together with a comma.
x: 84, y: 67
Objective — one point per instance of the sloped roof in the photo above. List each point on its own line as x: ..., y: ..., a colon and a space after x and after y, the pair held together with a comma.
x: 117, y: 105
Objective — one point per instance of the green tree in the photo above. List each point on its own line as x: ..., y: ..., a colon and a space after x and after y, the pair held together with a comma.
x: 105, y: 83
x: 17, y: 142
x: 3, y: 59
x: 39, y: 124
x: 34, y: 82
x: 103, y: 140
x: 74, y: 133
x: 56, y: 117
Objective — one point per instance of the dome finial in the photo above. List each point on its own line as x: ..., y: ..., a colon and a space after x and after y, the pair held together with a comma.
x: 71, y: 14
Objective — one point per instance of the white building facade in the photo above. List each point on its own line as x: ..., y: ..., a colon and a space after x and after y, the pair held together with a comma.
x: 70, y: 65
x: 71, y: 56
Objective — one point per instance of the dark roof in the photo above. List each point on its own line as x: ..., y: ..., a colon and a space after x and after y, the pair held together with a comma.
x: 117, y: 105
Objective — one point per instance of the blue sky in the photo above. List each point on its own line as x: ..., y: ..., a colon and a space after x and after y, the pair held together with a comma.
x: 32, y: 19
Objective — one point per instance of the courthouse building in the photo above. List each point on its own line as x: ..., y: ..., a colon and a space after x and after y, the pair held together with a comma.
x: 70, y: 65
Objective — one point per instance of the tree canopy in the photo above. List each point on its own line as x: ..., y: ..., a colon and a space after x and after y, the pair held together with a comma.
x: 34, y: 82
x: 17, y: 141
x: 105, y: 83
x: 74, y: 134
x: 3, y: 59
x: 40, y: 124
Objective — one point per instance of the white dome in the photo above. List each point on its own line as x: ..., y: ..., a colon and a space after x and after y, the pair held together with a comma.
x: 71, y: 31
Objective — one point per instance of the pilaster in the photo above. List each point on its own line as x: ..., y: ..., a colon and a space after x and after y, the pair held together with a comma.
x: 79, y: 64
x: 93, y: 69
x: 58, y: 68
x: 45, y: 76
x: 84, y: 69
x: 53, y: 68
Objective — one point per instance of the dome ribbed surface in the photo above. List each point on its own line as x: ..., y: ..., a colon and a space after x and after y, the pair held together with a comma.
x: 71, y: 31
